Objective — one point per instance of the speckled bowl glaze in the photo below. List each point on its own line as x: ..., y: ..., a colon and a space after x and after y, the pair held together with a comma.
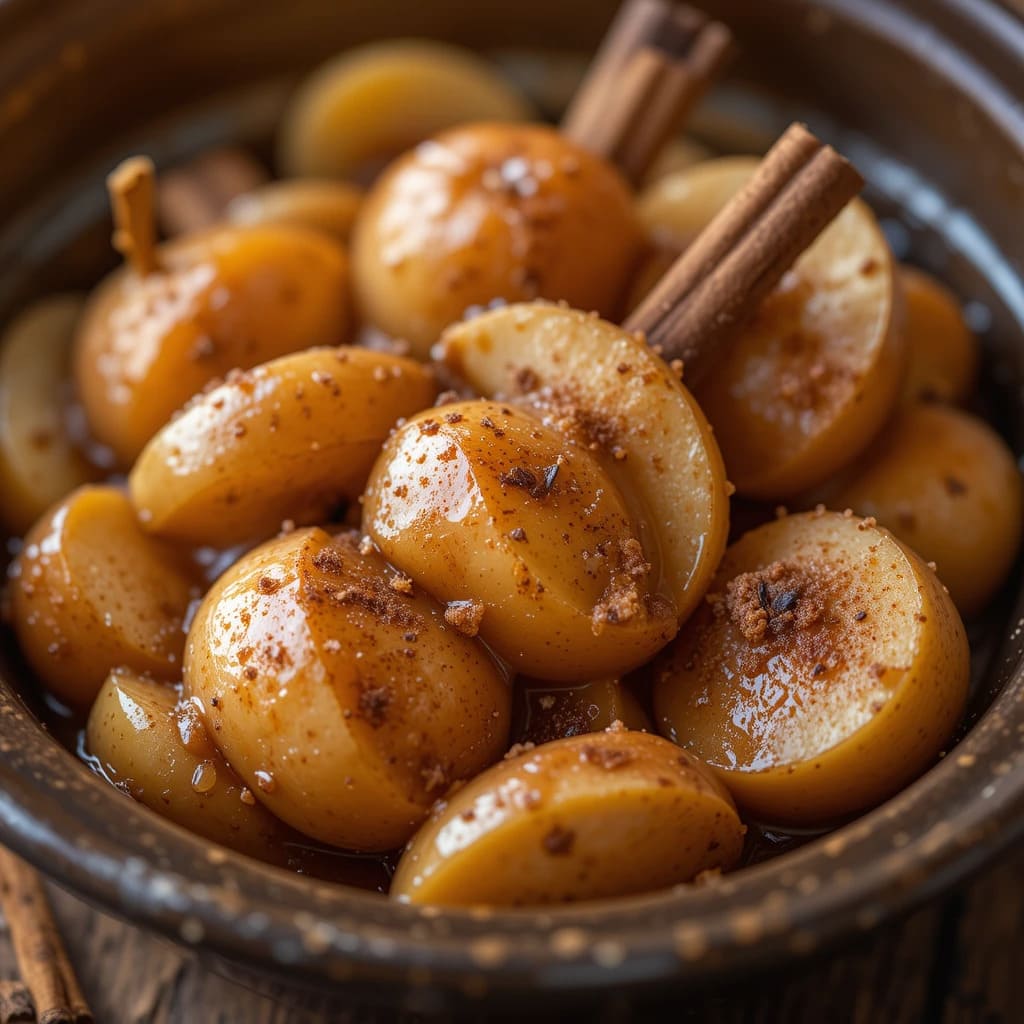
x: 926, y: 95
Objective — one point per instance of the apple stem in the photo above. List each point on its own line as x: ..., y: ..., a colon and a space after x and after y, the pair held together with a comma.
x: 132, y: 189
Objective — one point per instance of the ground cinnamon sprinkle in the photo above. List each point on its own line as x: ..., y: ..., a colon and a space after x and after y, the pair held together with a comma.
x: 373, y: 704
x: 574, y: 416
x: 559, y: 841
x: 774, y: 599
x: 465, y: 616
x: 329, y: 560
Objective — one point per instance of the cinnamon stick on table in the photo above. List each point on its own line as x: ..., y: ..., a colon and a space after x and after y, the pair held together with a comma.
x: 657, y: 60
x: 15, y: 1003
x: 720, y: 280
x: 42, y: 959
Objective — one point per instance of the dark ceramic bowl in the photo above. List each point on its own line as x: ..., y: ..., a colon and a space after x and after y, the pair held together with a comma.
x: 926, y: 95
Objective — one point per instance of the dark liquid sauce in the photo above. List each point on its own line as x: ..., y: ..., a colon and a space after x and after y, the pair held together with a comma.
x: 738, y: 121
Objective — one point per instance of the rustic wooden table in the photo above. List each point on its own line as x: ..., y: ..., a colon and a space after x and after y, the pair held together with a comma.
x: 960, y: 961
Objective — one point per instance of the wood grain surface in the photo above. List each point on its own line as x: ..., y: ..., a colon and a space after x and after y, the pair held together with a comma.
x: 960, y: 961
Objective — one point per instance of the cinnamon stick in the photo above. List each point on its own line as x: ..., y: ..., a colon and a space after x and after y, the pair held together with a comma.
x: 131, y: 186
x: 196, y: 194
x: 42, y: 959
x: 655, y: 63
x: 720, y: 280
x: 15, y: 1003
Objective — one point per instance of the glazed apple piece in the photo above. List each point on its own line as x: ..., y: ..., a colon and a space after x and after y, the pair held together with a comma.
x: 90, y: 591
x: 491, y: 212
x: 39, y: 464
x: 591, y: 817
x: 942, y: 350
x: 179, y: 315
x: 158, y: 750
x: 806, y: 385
x: 315, y: 667
x: 542, y: 712
x: 523, y: 536
x: 582, y: 520
x: 612, y: 395
x: 322, y: 205
x: 286, y: 440
x: 948, y: 486
x: 828, y: 670
x: 368, y: 105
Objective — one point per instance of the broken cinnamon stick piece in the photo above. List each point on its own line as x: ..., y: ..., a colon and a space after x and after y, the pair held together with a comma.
x: 42, y: 959
x: 655, y: 63
x: 131, y: 187
x: 15, y: 1003
x: 196, y: 194
x: 721, y: 279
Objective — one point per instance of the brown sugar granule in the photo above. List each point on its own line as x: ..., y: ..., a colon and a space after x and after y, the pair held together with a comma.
x: 465, y: 616
x: 559, y: 841
x: 453, y: 417
x: 518, y: 749
x: 778, y: 597
x: 518, y: 534
x: 401, y: 585
x: 619, y: 603
x: 621, y: 600
x: 250, y: 672
x: 373, y: 704
x: 518, y: 476
x: 632, y: 560
x: 429, y: 427
x: 608, y: 758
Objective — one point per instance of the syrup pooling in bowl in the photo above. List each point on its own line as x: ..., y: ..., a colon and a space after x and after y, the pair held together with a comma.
x: 756, y: 852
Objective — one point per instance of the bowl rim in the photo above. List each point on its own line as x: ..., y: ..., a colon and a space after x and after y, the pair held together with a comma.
x: 126, y: 860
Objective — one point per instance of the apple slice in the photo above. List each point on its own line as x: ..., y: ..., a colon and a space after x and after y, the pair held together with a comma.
x: 827, y: 669
x: 605, y: 388
x: 812, y: 378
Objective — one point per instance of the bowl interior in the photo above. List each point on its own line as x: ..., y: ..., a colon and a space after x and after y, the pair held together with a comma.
x: 937, y: 135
